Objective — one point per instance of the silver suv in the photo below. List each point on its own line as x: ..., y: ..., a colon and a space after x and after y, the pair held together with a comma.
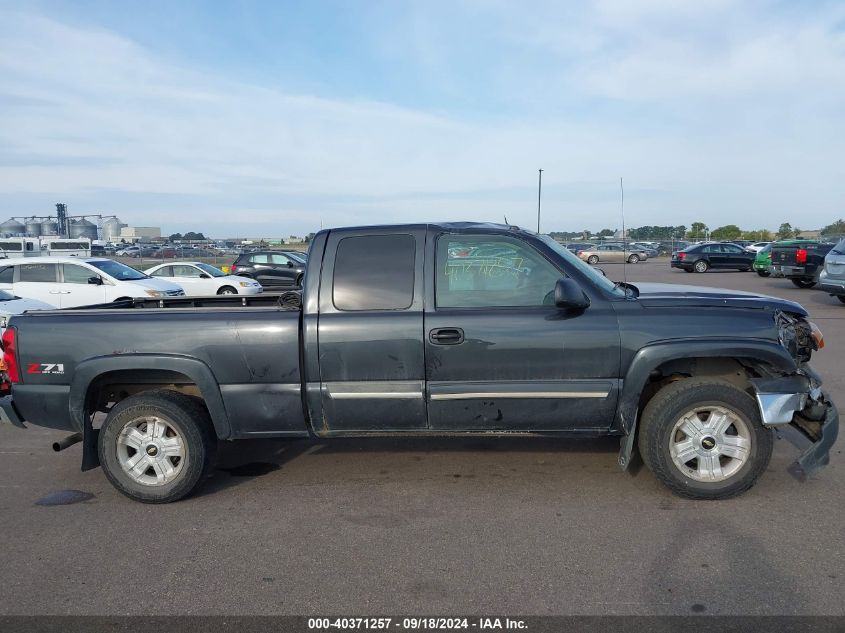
x: 832, y: 278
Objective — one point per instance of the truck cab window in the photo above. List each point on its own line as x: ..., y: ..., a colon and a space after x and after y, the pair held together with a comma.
x: 374, y: 272
x: 476, y: 271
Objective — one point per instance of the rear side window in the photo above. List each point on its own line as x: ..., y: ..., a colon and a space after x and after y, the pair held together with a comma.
x: 260, y: 259
x: 37, y: 272
x: 374, y: 272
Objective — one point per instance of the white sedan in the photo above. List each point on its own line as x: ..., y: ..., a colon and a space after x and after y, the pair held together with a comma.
x: 198, y: 279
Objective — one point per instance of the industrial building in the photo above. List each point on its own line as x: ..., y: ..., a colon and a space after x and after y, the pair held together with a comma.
x: 108, y: 228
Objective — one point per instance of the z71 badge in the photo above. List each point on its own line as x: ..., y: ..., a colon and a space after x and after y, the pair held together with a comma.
x: 45, y: 368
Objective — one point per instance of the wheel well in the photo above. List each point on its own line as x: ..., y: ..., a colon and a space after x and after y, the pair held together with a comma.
x: 107, y: 389
x: 738, y: 372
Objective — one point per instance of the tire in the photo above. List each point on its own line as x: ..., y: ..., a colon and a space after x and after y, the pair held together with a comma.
x: 763, y: 273
x: 803, y: 283
x: 841, y: 298
x: 298, y: 283
x: 744, y: 270
x: 721, y: 476
x: 633, y: 259
x: 701, y: 266
x: 593, y: 259
x: 183, y: 426
x: 227, y: 290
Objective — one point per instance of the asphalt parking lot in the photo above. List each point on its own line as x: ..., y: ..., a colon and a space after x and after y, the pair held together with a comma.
x: 440, y: 527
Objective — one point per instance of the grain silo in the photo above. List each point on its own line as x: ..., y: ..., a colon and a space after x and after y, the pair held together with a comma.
x: 49, y: 227
x: 33, y: 227
x: 83, y: 228
x: 111, y: 229
x: 12, y: 227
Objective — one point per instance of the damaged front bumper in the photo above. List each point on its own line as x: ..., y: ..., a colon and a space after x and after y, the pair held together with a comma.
x: 799, y: 401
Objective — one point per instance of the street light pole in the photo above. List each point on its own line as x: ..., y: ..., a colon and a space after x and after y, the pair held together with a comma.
x: 539, y: 194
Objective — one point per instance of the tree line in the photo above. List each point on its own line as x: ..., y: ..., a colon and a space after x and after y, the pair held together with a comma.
x: 700, y: 231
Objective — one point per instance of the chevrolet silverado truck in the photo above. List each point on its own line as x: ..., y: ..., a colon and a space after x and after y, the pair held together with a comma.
x: 454, y: 329
x: 800, y: 261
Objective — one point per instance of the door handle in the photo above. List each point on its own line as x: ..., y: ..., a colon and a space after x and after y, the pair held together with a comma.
x: 446, y: 336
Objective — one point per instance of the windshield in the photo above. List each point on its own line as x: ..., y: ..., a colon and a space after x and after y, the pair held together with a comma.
x: 211, y: 270
x: 594, y: 275
x: 118, y: 271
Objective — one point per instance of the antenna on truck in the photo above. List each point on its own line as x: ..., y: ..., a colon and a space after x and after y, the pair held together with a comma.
x: 624, y: 236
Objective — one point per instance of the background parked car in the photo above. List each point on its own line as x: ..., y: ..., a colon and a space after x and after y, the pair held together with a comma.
x: 272, y: 269
x: 612, y: 253
x: 648, y: 250
x: 11, y: 304
x: 198, y: 279
x: 574, y: 247
x: 717, y: 255
x: 832, y: 278
x: 757, y: 246
x: 69, y: 282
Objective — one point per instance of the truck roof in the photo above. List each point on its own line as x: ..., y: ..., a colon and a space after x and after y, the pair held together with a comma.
x: 448, y: 226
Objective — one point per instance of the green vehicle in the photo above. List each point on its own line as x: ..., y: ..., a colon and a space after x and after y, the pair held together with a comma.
x: 763, y: 261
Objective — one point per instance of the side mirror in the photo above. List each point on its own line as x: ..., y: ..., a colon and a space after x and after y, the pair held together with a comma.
x: 95, y: 281
x: 569, y: 296
x: 290, y: 264
x: 600, y: 270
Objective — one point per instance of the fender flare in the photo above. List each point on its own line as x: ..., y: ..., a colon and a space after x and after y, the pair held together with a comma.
x: 651, y: 357
x: 200, y: 373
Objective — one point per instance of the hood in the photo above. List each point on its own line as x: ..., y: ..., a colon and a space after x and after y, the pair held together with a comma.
x: 155, y: 283
x: 20, y: 305
x: 663, y: 295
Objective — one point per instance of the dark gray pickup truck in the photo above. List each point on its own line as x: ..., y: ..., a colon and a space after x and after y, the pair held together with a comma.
x: 429, y: 329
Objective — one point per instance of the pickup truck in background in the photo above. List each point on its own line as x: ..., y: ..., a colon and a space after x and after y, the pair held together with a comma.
x: 799, y: 261
x: 434, y: 329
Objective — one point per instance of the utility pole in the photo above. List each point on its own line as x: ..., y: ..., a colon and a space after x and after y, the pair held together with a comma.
x: 539, y: 194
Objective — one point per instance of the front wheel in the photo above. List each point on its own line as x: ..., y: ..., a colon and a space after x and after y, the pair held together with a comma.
x: 633, y: 259
x: 157, y: 447
x: 803, y: 283
x: 704, y: 439
x: 227, y: 290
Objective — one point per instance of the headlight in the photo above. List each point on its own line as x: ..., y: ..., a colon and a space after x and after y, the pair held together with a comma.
x: 245, y: 284
x: 154, y: 293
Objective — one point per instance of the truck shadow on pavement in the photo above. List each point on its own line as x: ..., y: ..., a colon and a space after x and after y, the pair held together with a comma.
x: 243, y: 460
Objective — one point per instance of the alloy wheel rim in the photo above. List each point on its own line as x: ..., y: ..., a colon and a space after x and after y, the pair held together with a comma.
x: 710, y: 443
x: 151, y: 451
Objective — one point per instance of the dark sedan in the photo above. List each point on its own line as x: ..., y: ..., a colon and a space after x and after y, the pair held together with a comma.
x: 272, y: 269
x: 719, y: 256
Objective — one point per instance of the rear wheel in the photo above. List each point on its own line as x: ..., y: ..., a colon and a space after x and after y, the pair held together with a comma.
x: 593, y: 259
x: 157, y: 447
x: 633, y: 259
x: 803, y: 283
x: 701, y: 266
x: 763, y: 273
x: 703, y: 438
x: 227, y: 290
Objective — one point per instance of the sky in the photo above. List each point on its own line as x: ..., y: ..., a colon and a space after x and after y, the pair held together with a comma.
x: 270, y: 118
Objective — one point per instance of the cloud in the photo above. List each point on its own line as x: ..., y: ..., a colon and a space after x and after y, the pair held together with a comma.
x: 707, y: 109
